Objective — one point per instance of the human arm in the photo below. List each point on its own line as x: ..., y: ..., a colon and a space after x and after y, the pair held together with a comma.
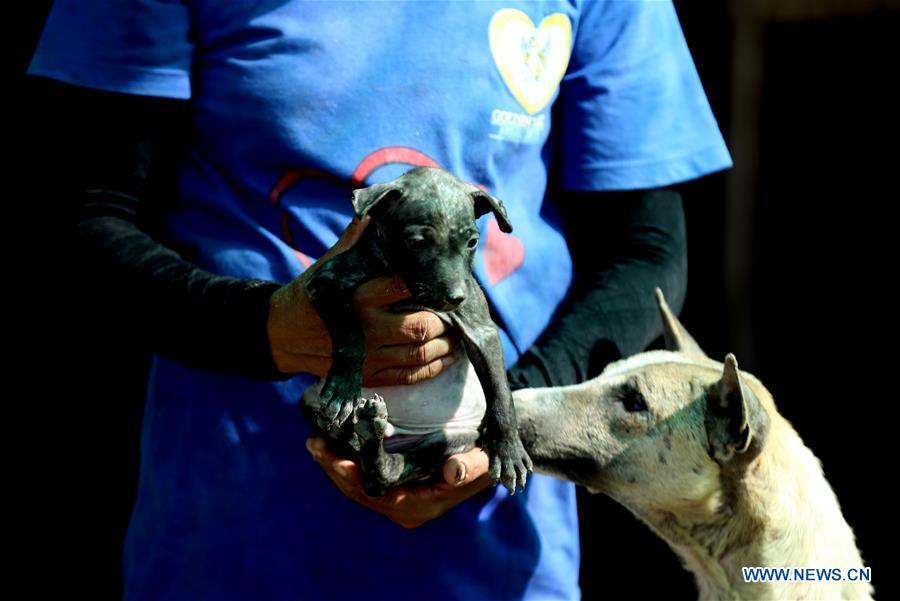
x: 126, y: 148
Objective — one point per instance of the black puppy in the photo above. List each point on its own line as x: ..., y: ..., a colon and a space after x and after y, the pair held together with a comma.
x: 422, y: 229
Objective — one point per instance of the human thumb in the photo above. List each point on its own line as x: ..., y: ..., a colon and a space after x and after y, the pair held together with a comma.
x: 465, y: 467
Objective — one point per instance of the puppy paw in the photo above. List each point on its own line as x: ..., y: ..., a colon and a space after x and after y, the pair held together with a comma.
x: 370, y: 421
x: 337, y: 402
x: 510, y: 463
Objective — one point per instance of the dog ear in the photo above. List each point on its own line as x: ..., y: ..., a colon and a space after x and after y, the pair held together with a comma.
x: 484, y: 203
x: 677, y: 338
x: 736, y: 422
x: 364, y: 200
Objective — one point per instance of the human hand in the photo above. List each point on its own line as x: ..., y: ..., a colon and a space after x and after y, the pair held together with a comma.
x: 465, y: 475
x: 401, y: 348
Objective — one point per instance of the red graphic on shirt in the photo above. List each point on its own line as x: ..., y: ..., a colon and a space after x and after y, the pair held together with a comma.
x: 502, y: 253
x: 288, y: 179
x: 390, y: 156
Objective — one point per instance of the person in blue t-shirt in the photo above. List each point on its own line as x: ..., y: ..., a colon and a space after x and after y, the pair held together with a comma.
x: 226, y: 138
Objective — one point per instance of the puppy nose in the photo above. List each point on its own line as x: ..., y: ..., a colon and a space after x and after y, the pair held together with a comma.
x: 456, y: 296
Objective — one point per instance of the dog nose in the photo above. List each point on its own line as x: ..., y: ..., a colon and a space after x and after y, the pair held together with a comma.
x: 456, y: 296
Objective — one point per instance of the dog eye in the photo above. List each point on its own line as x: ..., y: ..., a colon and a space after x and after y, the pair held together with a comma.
x: 633, y: 401
x: 472, y: 243
x: 417, y: 242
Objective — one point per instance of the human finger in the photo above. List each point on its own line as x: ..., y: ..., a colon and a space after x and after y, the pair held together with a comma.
x: 380, y: 292
x: 402, y: 376
x: 400, y: 355
x: 384, y: 328
x: 343, y: 472
x: 348, y: 238
x: 464, y: 468
x: 347, y: 477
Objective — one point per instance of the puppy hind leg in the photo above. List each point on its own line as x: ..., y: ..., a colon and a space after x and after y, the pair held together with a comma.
x: 423, y: 461
x: 380, y: 469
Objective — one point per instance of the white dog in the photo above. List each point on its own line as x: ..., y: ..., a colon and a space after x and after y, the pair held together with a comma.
x: 697, y: 450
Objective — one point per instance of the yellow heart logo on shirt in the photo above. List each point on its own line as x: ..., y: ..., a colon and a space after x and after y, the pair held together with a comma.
x: 532, y: 60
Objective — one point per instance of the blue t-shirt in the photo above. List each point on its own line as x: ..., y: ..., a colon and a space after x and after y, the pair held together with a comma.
x: 296, y: 103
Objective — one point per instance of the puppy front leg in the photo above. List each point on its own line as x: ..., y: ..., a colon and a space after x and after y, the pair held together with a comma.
x: 330, y: 291
x: 510, y: 462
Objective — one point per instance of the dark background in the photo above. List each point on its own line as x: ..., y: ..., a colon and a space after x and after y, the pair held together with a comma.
x: 791, y: 267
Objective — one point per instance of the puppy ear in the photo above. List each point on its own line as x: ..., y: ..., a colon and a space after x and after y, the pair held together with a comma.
x: 736, y: 422
x: 485, y: 203
x: 364, y: 200
x: 677, y: 338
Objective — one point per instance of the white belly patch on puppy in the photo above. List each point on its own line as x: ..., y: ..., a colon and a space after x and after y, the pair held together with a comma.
x: 451, y: 402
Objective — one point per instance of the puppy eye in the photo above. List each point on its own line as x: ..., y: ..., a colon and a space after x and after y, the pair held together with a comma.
x: 417, y: 242
x: 472, y: 243
x: 633, y: 401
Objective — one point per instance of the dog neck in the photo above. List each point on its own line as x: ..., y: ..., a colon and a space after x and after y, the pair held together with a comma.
x: 779, y: 512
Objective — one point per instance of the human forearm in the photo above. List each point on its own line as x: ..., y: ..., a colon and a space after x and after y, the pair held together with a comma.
x: 123, y: 151
x: 203, y: 320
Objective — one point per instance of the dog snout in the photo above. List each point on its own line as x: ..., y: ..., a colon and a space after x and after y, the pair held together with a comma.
x: 456, y: 296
